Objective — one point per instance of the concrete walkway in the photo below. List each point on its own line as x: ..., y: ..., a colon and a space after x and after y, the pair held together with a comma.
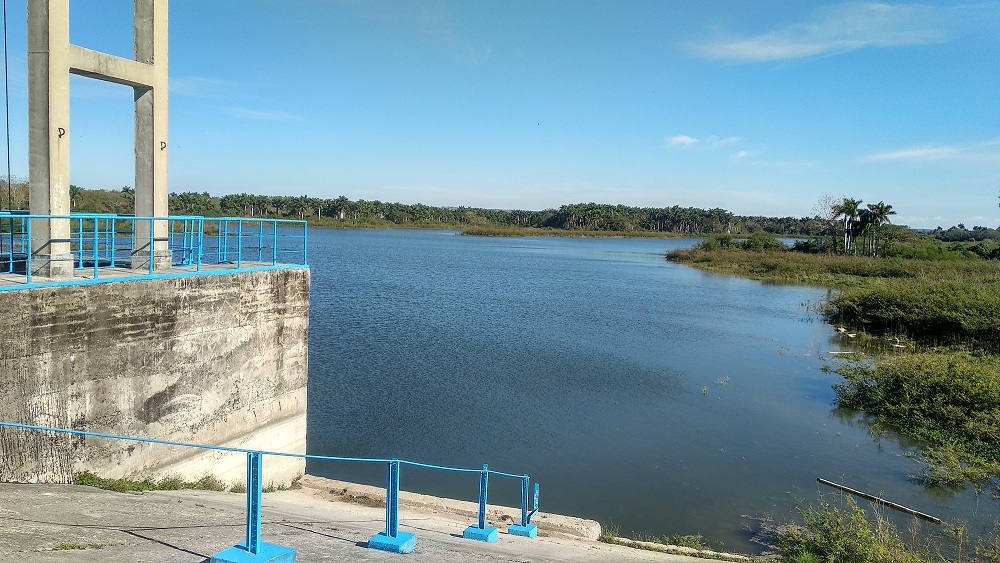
x: 43, y: 523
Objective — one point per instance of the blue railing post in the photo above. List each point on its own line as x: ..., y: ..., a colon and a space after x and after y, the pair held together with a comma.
x: 258, y: 550
x: 482, y: 532
x: 254, y: 492
x: 28, y: 254
x: 274, y: 245
x: 239, y: 245
x: 392, y: 539
x: 392, y: 500
x: 526, y: 528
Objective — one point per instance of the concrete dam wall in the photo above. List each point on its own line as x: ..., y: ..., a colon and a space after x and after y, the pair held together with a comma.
x: 215, y: 359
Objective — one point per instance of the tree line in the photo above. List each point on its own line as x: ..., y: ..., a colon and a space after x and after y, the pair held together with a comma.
x: 580, y: 216
x: 839, y: 225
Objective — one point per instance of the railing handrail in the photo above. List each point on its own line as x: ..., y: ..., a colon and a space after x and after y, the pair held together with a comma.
x: 97, y: 242
x: 246, y: 450
x: 391, y: 539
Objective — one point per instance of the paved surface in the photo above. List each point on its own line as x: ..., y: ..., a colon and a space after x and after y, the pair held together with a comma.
x: 191, y: 526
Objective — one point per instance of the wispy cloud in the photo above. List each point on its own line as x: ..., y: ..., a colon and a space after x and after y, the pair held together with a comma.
x: 713, y: 140
x: 834, y: 30
x: 985, y: 152
x: 923, y: 154
x: 742, y: 155
x: 262, y: 115
x: 681, y: 141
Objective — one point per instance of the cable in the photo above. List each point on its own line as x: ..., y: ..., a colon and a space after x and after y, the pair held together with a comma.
x: 6, y: 96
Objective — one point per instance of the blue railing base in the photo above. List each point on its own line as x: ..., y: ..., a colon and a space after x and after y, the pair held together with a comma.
x: 486, y: 534
x: 529, y: 531
x: 268, y: 553
x: 402, y: 543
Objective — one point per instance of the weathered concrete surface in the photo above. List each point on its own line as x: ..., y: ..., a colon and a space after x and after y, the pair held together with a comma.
x: 191, y: 526
x: 499, y: 517
x: 219, y: 360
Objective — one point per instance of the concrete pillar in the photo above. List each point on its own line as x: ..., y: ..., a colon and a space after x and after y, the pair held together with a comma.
x: 48, y: 134
x: 51, y: 59
x: 151, y: 192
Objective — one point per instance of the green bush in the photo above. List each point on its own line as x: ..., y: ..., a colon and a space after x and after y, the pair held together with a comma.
x: 834, y: 535
x: 950, y: 402
x: 763, y: 242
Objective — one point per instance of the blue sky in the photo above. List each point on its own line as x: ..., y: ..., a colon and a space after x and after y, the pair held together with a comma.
x: 761, y: 107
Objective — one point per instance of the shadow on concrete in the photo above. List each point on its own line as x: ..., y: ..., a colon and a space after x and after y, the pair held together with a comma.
x: 169, y: 545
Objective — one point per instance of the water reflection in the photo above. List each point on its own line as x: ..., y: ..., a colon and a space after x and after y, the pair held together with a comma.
x: 636, y: 391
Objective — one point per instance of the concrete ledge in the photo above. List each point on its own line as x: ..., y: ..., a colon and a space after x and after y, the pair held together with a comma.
x: 487, y: 534
x: 500, y: 517
x: 529, y: 531
x: 267, y: 553
x: 402, y: 543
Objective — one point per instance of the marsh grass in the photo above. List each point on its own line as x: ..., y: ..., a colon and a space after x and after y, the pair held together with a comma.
x: 948, y: 401
x: 168, y: 483
x: 841, y: 531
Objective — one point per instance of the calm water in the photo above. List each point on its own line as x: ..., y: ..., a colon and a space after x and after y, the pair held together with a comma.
x: 636, y: 391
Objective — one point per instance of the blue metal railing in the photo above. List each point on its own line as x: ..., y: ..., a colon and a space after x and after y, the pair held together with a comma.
x: 99, y: 242
x: 390, y: 539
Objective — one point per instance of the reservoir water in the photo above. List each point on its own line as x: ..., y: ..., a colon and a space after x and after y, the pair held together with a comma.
x: 637, y: 392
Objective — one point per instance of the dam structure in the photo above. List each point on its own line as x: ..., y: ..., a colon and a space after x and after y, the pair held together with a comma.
x: 175, y: 329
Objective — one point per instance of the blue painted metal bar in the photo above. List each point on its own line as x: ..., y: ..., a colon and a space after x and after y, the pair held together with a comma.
x: 391, y: 539
x: 524, y: 501
x: 484, y: 480
x: 254, y: 501
x: 441, y: 467
x: 152, y: 247
x: 392, y: 500
x: 274, y: 247
x: 97, y: 237
x: 482, y: 532
x: 28, y: 266
x: 525, y: 528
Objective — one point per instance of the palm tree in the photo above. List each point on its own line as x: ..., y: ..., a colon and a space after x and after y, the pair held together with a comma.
x: 878, y: 215
x: 848, y: 210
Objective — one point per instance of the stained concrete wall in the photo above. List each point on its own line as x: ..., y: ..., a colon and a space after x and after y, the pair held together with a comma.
x: 219, y: 360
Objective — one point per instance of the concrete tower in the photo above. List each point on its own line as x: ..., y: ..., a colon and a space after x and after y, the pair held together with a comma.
x: 51, y: 59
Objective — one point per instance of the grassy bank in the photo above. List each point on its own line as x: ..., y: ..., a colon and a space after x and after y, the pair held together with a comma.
x: 943, y: 389
x: 834, y: 271
x: 948, y: 401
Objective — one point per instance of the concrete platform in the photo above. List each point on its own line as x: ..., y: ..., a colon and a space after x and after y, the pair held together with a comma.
x: 85, y: 275
x: 62, y: 523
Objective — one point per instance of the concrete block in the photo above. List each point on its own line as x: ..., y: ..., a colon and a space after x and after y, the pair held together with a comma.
x: 529, y: 531
x: 268, y: 553
x: 402, y: 543
x: 486, y: 534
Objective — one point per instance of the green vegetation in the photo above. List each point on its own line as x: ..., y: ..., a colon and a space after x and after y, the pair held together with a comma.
x: 949, y: 401
x: 831, y: 534
x: 169, y: 483
x: 692, y: 546
x: 74, y: 546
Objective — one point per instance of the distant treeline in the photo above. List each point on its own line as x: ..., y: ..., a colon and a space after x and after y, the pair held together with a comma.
x: 581, y: 216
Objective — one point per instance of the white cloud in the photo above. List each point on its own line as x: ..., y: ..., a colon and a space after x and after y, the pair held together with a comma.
x: 742, y: 155
x: 713, y: 140
x: 682, y: 141
x: 986, y: 152
x: 924, y: 154
x: 833, y: 30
